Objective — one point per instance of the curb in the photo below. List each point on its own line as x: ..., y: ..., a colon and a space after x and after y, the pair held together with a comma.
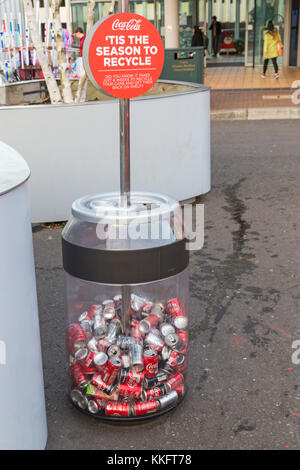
x: 286, y: 112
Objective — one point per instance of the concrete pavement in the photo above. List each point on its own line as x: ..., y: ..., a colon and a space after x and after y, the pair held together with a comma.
x: 244, y: 389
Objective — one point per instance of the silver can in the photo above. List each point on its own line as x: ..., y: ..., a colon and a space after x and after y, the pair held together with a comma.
x: 166, y: 353
x: 109, y: 312
x: 125, y: 359
x: 137, y: 356
x: 137, y: 303
x: 100, y: 360
x: 93, y: 345
x: 154, y: 340
x: 168, y: 400
x: 173, y: 341
x: 99, y: 326
x: 158, y: 309
x: 113, y: 330
x: 167, y: 329
x: 113, y: 351
x: 79, y: 399
x: 180, y: 322
x: 75, y: 395
x: 87, y: 328
x: 125, y: 342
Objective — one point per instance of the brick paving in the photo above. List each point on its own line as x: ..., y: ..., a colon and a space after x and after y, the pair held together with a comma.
x: 228, y: 78
x: 242, y: 87
x: 240, y: 99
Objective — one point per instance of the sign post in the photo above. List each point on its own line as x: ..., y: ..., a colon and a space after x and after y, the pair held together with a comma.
x: 123, y: 55
x: 125, y: 137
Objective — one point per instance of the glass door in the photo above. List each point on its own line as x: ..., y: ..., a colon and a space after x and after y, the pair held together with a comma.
x: 259, y: 13
x: 294, y: 33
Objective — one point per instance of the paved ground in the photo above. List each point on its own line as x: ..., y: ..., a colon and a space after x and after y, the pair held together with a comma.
x: 240, y: 99
x: 222, y: 78
x: 244, y: 389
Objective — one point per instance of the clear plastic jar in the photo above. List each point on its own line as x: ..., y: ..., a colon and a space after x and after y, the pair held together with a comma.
x: 127, y: 302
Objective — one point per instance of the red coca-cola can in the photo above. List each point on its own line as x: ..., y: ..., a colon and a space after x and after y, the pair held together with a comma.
x: 130, y: 392
x: 85, y: 316
x: 103, y: 344
x: 173, y: 382
x: 148, y: 323
x: 146, y: 308
x: 151, y: 363
x: 174, y: 309
x: 134, y: 378
x: 117, y: 408
x: 77, y: 336
x: 79, y: 376
x: 94, y: 309
x: 153, y: 393
x: 85, y: 357
x: 100, y: 360
x: 144, y: 407
x: 177, y: 361
x: 99, y: 383
x: 135, y: 331
x: 111, y: 370
x: 183, y: 335
x: 180, y: 390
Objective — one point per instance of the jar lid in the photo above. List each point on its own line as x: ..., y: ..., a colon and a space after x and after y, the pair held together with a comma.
x: 111, y: 207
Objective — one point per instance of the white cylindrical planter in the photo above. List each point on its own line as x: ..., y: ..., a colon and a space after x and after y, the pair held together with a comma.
x: 169, y: 131
x: 22, y: 402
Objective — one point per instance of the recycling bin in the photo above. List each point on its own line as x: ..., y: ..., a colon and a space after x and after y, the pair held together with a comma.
x: 22, y: 401
x: 127, y: 305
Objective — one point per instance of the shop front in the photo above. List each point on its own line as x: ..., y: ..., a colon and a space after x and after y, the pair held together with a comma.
x: 243, y: 24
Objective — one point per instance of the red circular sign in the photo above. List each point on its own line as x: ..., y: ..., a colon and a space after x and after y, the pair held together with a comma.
x: 124, y: 55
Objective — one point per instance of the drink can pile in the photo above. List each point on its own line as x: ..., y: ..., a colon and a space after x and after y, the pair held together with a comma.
x: 130, y: 373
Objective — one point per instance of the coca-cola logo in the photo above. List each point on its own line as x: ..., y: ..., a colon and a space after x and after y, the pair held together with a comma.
x: 151, y: 368
x: 134, y: 379
x: 131, y: 25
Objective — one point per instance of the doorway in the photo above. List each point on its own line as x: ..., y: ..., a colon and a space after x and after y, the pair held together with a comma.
x: 232, y: 16
x: 294, y: 33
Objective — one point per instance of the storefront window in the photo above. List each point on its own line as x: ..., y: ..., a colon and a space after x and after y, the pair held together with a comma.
x: 153, y: 10
x: 187, y: 19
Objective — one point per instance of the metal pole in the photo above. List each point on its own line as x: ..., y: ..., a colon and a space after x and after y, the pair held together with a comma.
x: 125, y: 136
x: 125, y: 179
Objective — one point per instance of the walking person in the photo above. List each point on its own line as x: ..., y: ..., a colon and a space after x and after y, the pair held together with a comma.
x: 272, y: 48
x: 216, y: 29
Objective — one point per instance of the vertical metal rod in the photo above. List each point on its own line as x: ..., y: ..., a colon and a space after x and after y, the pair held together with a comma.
x: 125, y: 179
x: 125, y: 135
x: 125, y: 150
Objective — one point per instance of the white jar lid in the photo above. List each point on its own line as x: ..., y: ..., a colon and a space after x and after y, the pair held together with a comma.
x: 109, y: 207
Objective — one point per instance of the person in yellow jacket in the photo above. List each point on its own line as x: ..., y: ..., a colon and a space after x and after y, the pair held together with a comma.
x: 271, y: 40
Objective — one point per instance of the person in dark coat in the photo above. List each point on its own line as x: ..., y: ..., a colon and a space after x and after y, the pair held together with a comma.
x: 216, y: 29
x: 198, y: 37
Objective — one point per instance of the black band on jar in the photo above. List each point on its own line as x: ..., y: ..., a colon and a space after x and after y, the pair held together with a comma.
x: 125, y: 267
